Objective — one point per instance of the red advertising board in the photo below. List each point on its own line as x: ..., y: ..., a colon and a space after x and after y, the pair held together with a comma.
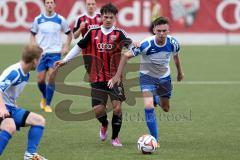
x: 186, y: 16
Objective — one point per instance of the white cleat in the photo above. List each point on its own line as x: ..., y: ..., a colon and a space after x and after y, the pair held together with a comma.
x: 33, y: 156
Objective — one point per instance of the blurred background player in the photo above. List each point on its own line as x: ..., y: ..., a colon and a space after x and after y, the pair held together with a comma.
x: 155, y: 78
x: 12, y: 117
x: 106, y: 42
x: 46, y: 32
x: 90, y: 19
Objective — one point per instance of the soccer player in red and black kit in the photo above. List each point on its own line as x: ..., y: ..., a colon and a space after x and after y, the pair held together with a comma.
x: 89, y: 19
x: 105, y: 44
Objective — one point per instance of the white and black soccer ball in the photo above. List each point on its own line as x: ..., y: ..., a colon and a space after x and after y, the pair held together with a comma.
x: 147, y: 144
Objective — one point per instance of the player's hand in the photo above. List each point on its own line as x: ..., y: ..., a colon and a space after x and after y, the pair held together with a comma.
x: 136, y: 44
x: 4, y: 112
x: 59, y: 64
x: 180, y: 76
x: 114, y: 80
x: 82, y: 25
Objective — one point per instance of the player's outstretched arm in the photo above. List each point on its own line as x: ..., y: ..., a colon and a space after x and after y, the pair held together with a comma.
x: 74, y: 52
x: 180, y: 74
x: 3, y: 110
x: 117, y: 77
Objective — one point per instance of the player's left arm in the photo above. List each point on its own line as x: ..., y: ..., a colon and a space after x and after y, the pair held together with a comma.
x: 180, y: 74
x: 34, y: 31
x: 68, y: 32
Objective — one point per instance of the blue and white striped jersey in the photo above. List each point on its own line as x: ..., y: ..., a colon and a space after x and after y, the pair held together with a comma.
x: 155, y: 59
x: 12, y: 83
x: 48, y: 30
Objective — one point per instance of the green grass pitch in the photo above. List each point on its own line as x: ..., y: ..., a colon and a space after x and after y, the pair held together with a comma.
x: 203, y: 122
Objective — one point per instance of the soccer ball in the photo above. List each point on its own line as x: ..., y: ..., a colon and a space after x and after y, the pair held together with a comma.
x: 147, y: 144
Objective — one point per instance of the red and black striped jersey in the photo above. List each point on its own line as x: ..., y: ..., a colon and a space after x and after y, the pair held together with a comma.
x: 105, y: 47
x: 91, y: 22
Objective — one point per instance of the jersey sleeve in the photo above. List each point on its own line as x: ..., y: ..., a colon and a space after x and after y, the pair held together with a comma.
x: 8, y: 80
x: 175, y: 45
x: 144, y: 45
x: 77, y: 24
x: 85, y: 40
x: 34, y: 28
x: 125, y: 40
x: 65, y: 26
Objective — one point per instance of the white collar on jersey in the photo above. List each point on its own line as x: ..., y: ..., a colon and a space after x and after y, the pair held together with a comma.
x: 54, y: 14
x: 107, y: 31
x: 158, y: 44
x: 94, y: 15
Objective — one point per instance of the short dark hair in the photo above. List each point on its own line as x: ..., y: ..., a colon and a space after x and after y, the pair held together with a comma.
x: 31, y: 52
x: 108, y: 8
x: 45, y: 0
x: 160, y: 20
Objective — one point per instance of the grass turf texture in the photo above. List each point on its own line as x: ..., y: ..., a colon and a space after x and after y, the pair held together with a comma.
x: 203, y: 122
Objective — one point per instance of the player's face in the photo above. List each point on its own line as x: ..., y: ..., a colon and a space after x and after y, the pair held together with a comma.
x: 161, y: 31
x: 50, y: 5
x: 108, y: 20
x: 91, y: 6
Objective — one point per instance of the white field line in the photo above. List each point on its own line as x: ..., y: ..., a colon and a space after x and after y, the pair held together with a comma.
x: 174, y: 82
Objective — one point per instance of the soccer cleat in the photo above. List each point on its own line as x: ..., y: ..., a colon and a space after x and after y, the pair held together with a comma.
x: 116, y: 142
x: 47, y: 109
x: 43, y: 103
x: 33, y: 156
x: 103, y: 133
x: 158, y: 145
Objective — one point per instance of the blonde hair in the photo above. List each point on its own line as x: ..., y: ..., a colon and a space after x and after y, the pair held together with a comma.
x: 31, y: 52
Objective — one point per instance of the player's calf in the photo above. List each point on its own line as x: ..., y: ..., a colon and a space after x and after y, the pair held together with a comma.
x: 165, y: 104
x: 8, y: 125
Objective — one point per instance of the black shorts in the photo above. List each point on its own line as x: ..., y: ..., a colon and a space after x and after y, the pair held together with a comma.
x: 100, y: 93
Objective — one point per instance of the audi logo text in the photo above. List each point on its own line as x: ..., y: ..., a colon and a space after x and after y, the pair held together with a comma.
x: 20, y: 13
x: 222, y: 21
x: 104, y: 46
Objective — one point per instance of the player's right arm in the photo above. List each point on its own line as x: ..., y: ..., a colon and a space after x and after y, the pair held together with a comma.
x: 75, y: 51
x: 79, y: 26
x: 124, y: 59
x: 134, y: 51
x: 6, y: 81
x: 34, y: 30
x: 3, y: 110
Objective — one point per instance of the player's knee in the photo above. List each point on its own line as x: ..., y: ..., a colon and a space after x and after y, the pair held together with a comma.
x: 40, y: 120
x: 41, y: 81
x: 117, y: 110
x: 9, y: 126
x: 99, y: 110
x: 148, y: 104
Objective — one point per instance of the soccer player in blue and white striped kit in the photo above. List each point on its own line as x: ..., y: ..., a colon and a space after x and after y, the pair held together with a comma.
x: 155, y: 79
x: 12, y: 117
x: 46, y: 32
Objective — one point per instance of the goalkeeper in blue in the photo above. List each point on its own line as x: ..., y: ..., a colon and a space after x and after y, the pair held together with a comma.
x: 12, y: 117
x: 155, y: 79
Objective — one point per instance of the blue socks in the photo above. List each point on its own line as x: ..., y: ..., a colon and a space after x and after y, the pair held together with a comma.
x: 47, y: 91
x: 151, y: 122
x: 42, y: 87
x: 49, y: 94
x: 4, y: 138
x: 34, y: 136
